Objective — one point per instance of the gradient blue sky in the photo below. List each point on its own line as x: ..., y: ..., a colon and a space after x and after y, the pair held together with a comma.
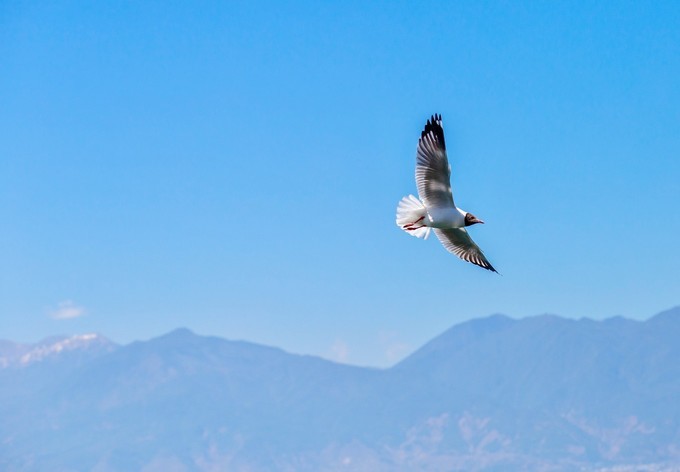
x: 235, y: 167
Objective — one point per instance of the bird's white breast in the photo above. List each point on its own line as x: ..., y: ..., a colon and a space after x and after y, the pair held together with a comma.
x: 445, y: 218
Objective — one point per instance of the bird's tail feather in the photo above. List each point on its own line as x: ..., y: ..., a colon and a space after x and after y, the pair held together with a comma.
x: 410, y: 216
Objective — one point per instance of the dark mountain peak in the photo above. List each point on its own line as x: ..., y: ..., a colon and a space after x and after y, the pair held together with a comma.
x: 618, y: 321
x: 183, y: 345
x: 494, y: 318
x: 491, y: 322
x: 667, y: 317
x: 483, y: 325
x: 459, y: 335
x: 498, y: 337
x: 545, y: 319
x: 179, y: 333
x: 179, y: 338
x: 176, y: 338
x: 186, y: 337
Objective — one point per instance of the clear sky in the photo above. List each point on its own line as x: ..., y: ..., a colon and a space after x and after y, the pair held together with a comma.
x: 234, y: 167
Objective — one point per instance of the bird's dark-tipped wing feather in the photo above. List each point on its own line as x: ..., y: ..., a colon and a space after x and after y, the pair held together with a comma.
x: 457, y: 241
x: 433, y: 173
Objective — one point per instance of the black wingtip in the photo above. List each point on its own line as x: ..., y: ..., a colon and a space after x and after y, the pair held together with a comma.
x: 434, y: 126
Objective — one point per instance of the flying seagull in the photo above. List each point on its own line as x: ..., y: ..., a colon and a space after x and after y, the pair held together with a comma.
x: 435, y: 209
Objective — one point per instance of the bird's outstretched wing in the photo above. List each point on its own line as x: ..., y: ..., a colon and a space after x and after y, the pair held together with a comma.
x: 457, y: 241
x: 433, y: 173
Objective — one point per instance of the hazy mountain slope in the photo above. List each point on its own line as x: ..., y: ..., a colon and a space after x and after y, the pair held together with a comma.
x: 177, y: 390
x: 562, y: 388
x: 541, y: 393
x: 550, y: 362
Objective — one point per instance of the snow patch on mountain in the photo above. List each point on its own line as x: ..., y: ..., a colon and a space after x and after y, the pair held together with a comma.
x: 22, y: 355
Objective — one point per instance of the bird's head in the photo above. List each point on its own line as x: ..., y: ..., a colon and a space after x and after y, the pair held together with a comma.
x: 471, y: 219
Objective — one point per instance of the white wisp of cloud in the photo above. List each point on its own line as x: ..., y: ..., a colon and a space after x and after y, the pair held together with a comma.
x: 66, y: 310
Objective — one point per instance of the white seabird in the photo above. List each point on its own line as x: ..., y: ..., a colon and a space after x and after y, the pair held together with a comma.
x: 435, y: 210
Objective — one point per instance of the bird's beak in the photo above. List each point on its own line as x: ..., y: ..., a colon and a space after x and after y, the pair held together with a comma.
x: 479, y: 221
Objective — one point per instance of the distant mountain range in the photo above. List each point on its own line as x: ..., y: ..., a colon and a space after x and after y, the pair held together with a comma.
x: 540, y: 393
